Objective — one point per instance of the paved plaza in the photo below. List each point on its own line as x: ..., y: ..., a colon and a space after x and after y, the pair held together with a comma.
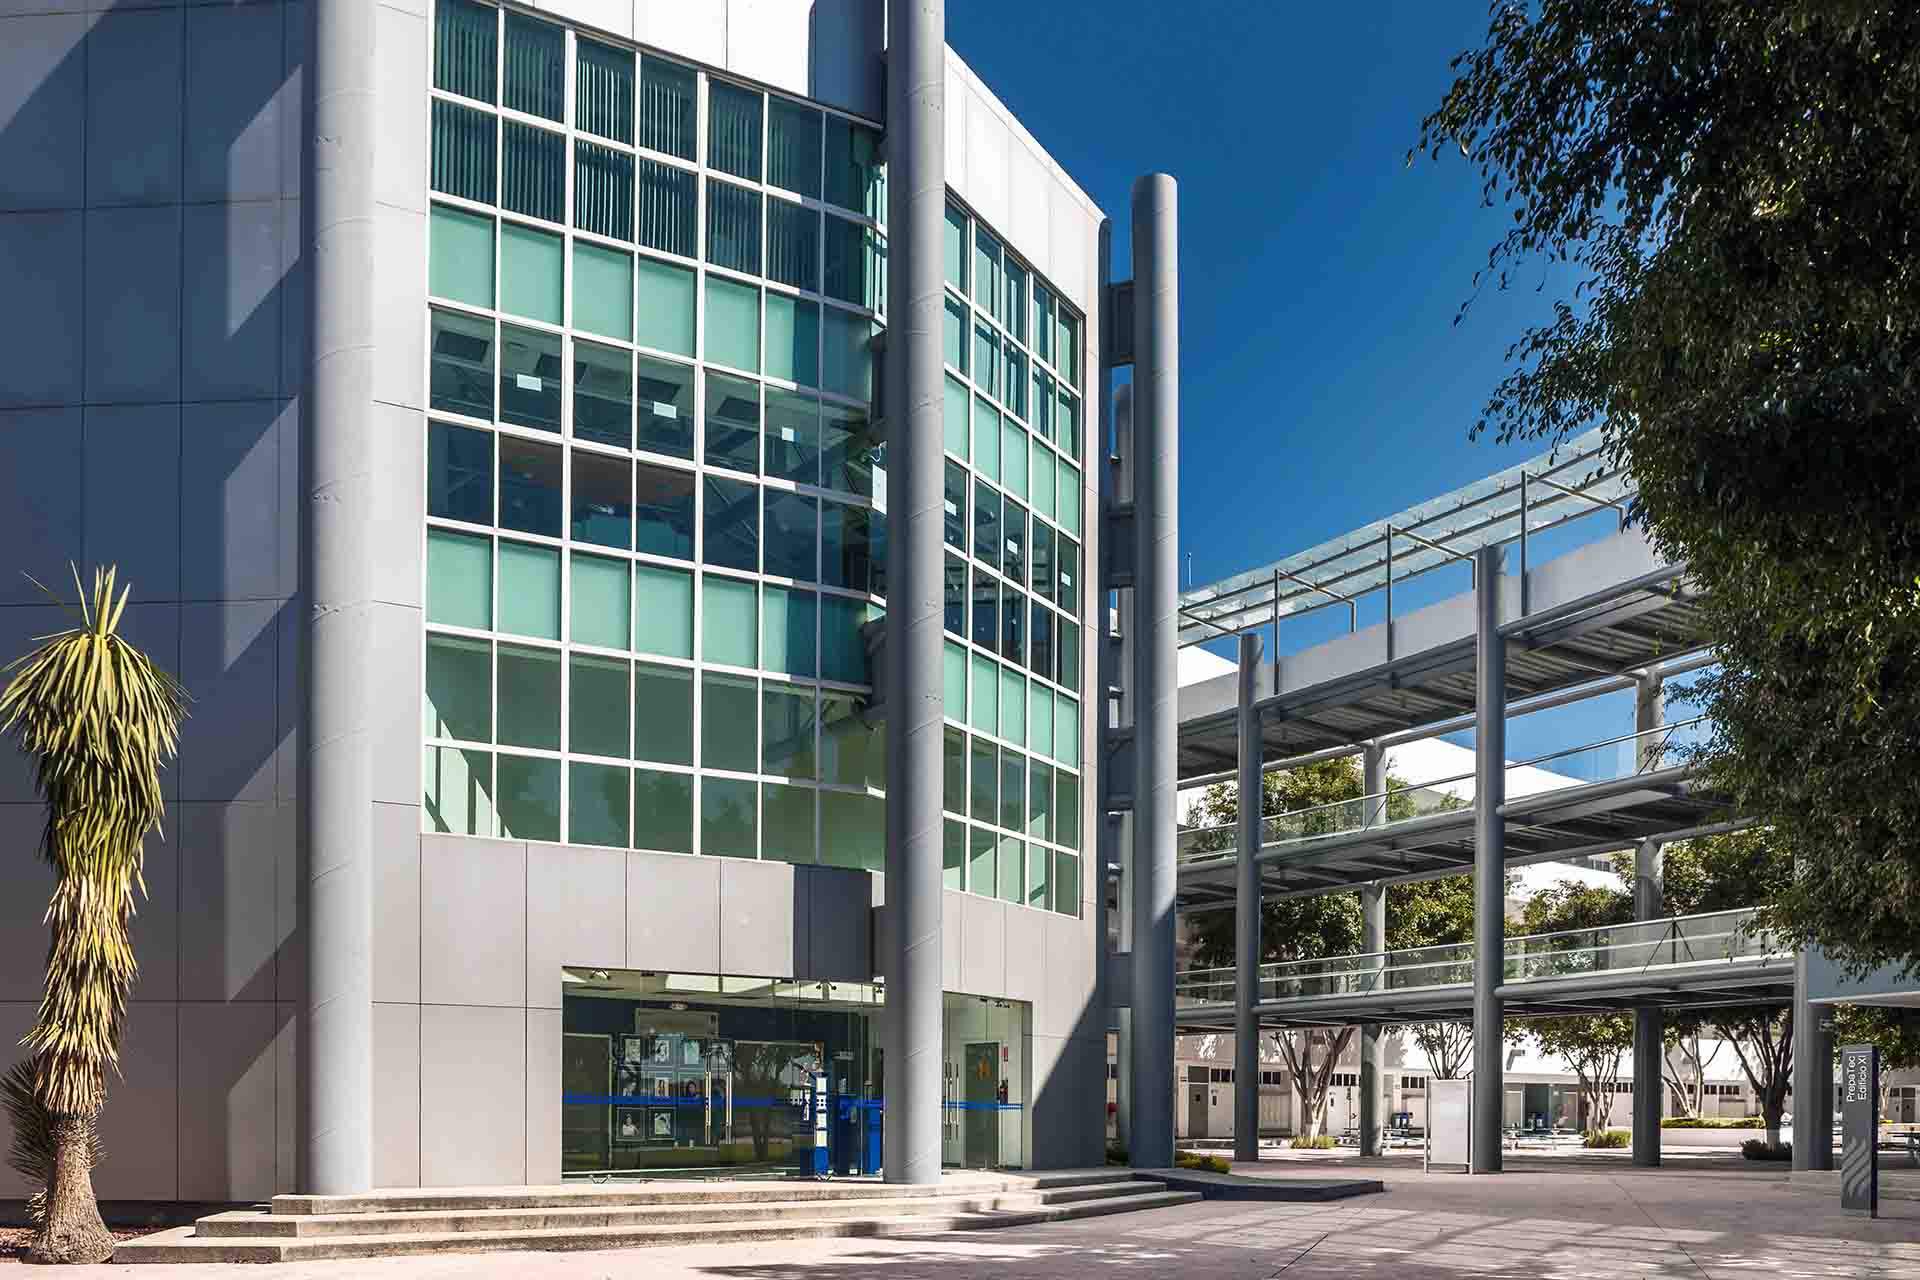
x: 1541, y: 1221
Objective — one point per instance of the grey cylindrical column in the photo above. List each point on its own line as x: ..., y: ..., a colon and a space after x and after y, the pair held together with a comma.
x: 916, y: 224
x: 1156, y: 569
x: 1373, y: 939
x: 1812, y: 1136
x: 336, y: 1072
x: 1649, y: 1024
x: 1246, y: 914
x: 1120, y: 476
x: 1489, y: 864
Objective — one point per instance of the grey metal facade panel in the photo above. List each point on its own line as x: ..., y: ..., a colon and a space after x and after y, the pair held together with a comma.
x: 23, y: 938
x: 132, y: 497
x: 763, y: 920
x: 236, y: 89
x: 847, y: 55
x: 396, y: 905
x: 230, y: 325
x: 544, y: 1086
x: 839, y: 922
x: 983, y: 945
x: 576, y: 914
x: 226, y: 1101
x: 394, y: 680
x: 473, y: 921
x: 687, y: 937
x: 141, y: 1120
x: 41, y: 326
x: 473, y: 1121
x: 233, y: 491
x: 396, y: 1095
x: 229, y: 661
x: 134, y: 74
x: 41, y: 483
x: 42, y: 111
x: 226, y: 874
x: 132, y: 305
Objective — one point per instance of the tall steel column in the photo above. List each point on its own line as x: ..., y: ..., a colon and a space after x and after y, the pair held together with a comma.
x: 916, y: 214
x: 1120, y: 477
x: 1649, y: 1024
x: 336, y: 1073
x: 1156, y: 487
x: 1812, y: 1136
x: 1373, y: 938
x: 1489, y: 863
x: 1246, y: 915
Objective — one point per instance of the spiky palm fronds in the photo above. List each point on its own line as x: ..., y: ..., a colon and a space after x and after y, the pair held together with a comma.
x: 97, y: 717
x: 31, y: 1155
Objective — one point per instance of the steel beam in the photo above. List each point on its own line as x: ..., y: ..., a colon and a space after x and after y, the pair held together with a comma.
x: 1246, y: 914
x: 1489, y: 865
x: 1812, y: 1076
x: 1373, y: 938
x: 1649, y: 1023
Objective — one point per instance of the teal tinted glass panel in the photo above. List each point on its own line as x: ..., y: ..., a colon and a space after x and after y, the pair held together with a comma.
x: 665, y: 423
x: 729, y: 723
x: 1066, y: 731
x: 955, y: 419
x: 1014, y: 313
x: 982, y: 856
x: 727, y: 818
x: 953, y: 854
x: 1039, y: 872
x: 597, y: 707
x: 1066, y: 810
x: 597, y: 805
x: 462, y: 151
x: 787, y: 621
x: 666, y: 106
x: 954, y: 335
x: 846, y: 366
x: 731, y: 536
x: 662, y: 714
x: 954, y: 241
x: 786, y: 731
x: 1066, y: 883
x: 459, y: 701
x: 788, y: 823
x: 530, y: 590
x: 843, y: 651
x: 953, y: 684
x: 851, y: 450
x: 1069, y: 660
x: 852, y: 752
x: 529, y: 697
x: 601, y: 601
x: 603, y: 191
x: 603, y: 90
x: 793, y: 147
x: 986, y: 439
x: 1040, y: 485
x: 1044, y: 399
x: 733, y: 130
x: 530, y: 273
x: 460, y: 256
x: 986, y: 358
x: 530, y: 486
x: 793, y: 522
x: 793, y: 435
x: 1042, y: 322
x: 465, y: 37
x: 732, y: 427
x: 529, y: 798
x: 462, y: 364
x: 793, y: 339
x: 793, y: 244
x: 852, y: 263
x: 533, y: 171
x: 733, y: 227
x: 601, y: 510
x: 459, y: 473
x: 667, y: 199
x: 1067, y: 577
x: 666, y: 307
x: 986, y: 271
x: 986, y: 695
x: 856, y: 178
x: 663, y: 511
x: 459, y: 579
x: 1039, y: 801
x: 953, y: 760
x: 457, y: 791
x: 1069, y: 503
x: 1066, y: 425
x: 1012, y: 868
x: 730, y: 625
x: 1066, y: 357
x: 1040, y: 719
x: 733, y: 324
x: 536, y: 74
x: 662, y: 611
x: 1014, y: 383
x: 663, y: 811
x: 1013, y: 458
x: 603, y: 395
x: 602, y: 290
x: 1013, y: 789
x: 1013, y: 705
x: 853, y: 830
x: 530, y: 379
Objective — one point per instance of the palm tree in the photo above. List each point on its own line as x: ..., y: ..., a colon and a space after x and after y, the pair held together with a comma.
x: 97, y: 718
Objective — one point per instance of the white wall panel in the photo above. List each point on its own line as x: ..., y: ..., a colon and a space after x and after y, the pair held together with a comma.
x: 768, y: 41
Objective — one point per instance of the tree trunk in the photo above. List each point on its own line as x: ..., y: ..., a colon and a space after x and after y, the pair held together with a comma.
x: 1771, y: 1109
x: 73, y: 1231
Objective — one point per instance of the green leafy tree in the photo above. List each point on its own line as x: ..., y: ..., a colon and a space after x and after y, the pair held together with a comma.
x: 1721, y: 195
x: 1593, y: 1045
x: 96, y: 717
x: 1894, y: 1029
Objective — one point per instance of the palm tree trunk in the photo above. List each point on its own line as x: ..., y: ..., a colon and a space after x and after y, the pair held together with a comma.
x: 73, y: 1231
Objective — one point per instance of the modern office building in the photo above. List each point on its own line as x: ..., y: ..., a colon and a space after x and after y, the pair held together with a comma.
x: 490, y: 405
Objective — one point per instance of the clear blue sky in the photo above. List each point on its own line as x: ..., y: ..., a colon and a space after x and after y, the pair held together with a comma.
x: 1324, y: 383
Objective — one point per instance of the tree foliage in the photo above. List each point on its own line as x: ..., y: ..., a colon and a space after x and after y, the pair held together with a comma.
x: 1593, y: 1045
x: 1725, y: 194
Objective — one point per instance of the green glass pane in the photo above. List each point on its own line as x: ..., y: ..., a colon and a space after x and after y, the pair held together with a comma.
x: 529, y: 797
x: 793, y: 339
x: 459, y: 579
x: 465, y: 35
x: 530, y: 273
x: 669, y: 198
x: 666, y: 106
x: 665, y: 307
x: 730, y: 630
x: 597, y: 804
x: 729, y: 723
x: 733, y: 129
x: 793, y: 534
x: 1066, y: 884
x: 954, y: 240
x: 662, y: 714
x: 986, y: 271
x: 603, y: 90
x: 529, y: 695
x: 787, y: 620
x: 788, y: 820
x: 733, y: 324
x: 733, y: 227
x: 982, y: 846
x: 1069, y: 671
x: 793, y: 146
x: 852, y: 751
x: 1066, y: 810
x: 843, y: 650
x: 1039, y: 801
x: 954, y: 683
x: 953, y: 854
x: 793, y: 245
x: 1013, y: 789
x: 1070, y: 499
x: 1012, y: 871
x: 953, y: 758
x: 457, y: 791
x: 986, y: 439
x: 727, y: 818
x: 786, y: 731
x: 662, y: 611
x: 602, y: 601
x: 461, y: 369
x: 853, y: 830
x: 459, y: 702
x: 536, y: 76
x: 846, y: 365
x: 533, y: 171
x: 529, y: 590
x: 1013, y: 705
x: 983, y: 795
x: 597, y: 706
x: 856, y: 176
x: 1040, y: 718
x: 663, y: 811
x: 602, y: 290
x: 463, y: 152
x: 1066, y: 730
x: 1039, y: 867
x: 793, y: 436
x: 460, y: 256
x: 603, y: 395
x: 1013, y: 459
x: 956, y: 419
x: 986, y: 695
x: 1040, y: 489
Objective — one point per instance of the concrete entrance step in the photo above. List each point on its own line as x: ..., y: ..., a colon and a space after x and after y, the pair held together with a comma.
x: 266, y: 1237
